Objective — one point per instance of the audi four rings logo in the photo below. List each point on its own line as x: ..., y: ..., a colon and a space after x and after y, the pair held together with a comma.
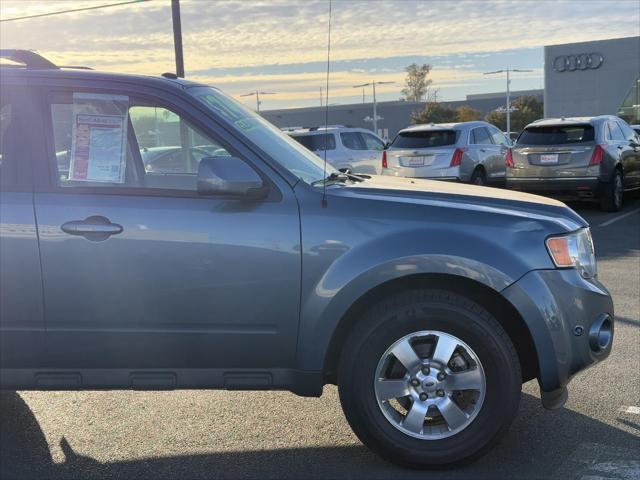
x: 582, y: 61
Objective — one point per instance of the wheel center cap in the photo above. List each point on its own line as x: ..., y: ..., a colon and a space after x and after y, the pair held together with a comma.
x: 430, y: 384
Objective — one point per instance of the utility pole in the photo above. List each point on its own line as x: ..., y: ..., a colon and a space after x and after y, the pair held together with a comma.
x: 257, y: 93
x: 375, y: 106
x: 507, y: 71
x: 177, y: 37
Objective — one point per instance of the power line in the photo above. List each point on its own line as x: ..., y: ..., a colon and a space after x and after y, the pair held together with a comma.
x: 72, y: 11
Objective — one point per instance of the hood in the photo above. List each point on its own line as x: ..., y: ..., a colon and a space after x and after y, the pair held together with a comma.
x: 413, y: 190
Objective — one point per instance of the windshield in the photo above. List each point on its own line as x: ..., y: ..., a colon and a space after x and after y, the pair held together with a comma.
x: 425, y: 139
x: 556, y: 135
x: 279, y: 146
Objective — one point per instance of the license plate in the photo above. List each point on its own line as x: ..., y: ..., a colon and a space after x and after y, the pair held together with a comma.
x: 549, y: 158
x: 418, y: 161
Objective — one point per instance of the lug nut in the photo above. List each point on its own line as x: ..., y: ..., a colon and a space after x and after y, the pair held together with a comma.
x: 415, y: 382
x: 426, y: 370
x: 441, y: 376
x: 423, y: 396
x: 440, y: 393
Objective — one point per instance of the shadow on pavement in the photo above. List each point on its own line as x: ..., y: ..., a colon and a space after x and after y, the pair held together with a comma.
x: 540, y: 444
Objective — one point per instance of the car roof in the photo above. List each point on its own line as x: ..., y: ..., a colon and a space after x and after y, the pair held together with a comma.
x: 81, y: 74
x: 423, y: 127
x: 571, y: 120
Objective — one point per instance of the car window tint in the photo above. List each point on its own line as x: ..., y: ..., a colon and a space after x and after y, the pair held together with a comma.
x: 480, y: 136
x: 425, y: 139
x: 161, y: 149
x: 353, y: 141
x: 372, y: 142
x: 557, y: 135
x: 498, y: 137
x: 615, y: 133
x: 168, y: 143
x: 316, y: 142
x: 627, y: 131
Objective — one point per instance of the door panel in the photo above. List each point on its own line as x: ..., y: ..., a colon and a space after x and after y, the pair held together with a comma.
x: 21, y: 319
x: 188, y: 282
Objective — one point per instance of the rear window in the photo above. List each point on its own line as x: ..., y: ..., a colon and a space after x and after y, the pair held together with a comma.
x: 315, y: 143
x: 425, y: 139
x: 557, y: 135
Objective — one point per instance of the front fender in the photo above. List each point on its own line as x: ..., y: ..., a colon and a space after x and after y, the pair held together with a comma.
x: 356, y: 243
x: 331, y: 298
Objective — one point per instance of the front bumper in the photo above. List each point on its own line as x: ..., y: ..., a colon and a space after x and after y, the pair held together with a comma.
x: 562, y: 310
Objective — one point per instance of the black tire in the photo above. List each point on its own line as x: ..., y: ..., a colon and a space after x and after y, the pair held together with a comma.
x: 613, y: 193
x: 447, y: 312
x: 479, y: 177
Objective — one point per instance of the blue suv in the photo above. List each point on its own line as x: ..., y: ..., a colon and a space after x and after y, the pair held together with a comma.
x: 156, y: 234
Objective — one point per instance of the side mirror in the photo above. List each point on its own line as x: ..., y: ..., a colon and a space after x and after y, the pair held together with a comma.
x: 229, y: 176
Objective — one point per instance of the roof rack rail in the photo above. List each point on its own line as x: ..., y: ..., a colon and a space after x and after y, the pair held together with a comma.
x: 29, y: 59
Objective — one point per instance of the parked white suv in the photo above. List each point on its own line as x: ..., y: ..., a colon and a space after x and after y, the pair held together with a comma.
x: 357, y: 149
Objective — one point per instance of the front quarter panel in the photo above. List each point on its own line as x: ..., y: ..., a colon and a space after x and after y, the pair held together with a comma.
x: 358, y: 242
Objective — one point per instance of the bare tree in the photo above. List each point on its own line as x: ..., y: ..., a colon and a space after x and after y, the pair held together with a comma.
x: 417, y: 85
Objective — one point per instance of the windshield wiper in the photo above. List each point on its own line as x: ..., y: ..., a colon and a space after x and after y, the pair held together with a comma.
x: 333, y: 177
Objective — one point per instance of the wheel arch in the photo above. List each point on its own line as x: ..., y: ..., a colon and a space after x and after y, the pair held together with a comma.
x: 490, y: 299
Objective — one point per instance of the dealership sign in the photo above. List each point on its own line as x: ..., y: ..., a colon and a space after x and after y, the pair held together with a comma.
x: 582, y: 61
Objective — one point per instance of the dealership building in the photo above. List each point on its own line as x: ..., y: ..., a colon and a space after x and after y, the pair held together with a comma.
x: 593, y: 78
x: 588, y: 78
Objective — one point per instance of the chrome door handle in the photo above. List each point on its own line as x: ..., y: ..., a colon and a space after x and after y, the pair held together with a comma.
x: 94, y: 228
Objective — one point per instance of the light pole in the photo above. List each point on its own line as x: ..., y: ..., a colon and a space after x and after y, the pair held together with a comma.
x: 177, y: 37
x: 257, y: 93
x: 375, y: 112
x: 508, y: 70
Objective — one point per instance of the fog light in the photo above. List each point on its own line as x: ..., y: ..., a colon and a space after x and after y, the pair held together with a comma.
x: 600, y: 333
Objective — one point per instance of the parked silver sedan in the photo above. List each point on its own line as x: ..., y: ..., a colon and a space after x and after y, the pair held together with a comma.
x: 472, y: 152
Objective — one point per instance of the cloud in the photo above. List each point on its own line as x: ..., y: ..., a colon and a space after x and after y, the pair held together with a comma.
x: 275, y: 40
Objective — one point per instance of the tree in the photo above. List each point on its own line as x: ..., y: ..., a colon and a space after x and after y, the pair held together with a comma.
x: 468, y: 114
x: 416, y: 83
x: 434, y: 113
x: 526, y: 110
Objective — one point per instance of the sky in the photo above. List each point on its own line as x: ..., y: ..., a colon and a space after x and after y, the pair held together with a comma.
x: 281, y: 46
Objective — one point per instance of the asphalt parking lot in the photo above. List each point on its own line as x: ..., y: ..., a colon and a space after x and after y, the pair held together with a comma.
x: 218, y: 434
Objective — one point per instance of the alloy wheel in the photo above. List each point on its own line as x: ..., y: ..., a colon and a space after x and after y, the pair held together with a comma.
x: 430, y: 385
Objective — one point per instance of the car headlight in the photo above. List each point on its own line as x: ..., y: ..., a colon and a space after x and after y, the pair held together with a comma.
x: 574, y: 250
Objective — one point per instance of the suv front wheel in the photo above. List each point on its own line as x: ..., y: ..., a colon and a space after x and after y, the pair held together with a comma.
x: 429, y: 377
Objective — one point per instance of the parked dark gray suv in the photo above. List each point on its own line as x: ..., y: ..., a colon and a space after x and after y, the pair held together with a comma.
x: 585, y: 157
x: 427, y: 303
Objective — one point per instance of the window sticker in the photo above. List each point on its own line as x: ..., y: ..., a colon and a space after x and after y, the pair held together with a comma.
x: 99, y: 138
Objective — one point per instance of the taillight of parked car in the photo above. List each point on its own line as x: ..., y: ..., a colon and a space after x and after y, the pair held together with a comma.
x: 457, y: 157
x: 509, y: 160
x: 597, y: 156
x: 384, y: 159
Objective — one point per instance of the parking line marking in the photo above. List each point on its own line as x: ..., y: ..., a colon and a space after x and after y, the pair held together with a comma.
x: 619, y: 217
x: 634, y: 410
